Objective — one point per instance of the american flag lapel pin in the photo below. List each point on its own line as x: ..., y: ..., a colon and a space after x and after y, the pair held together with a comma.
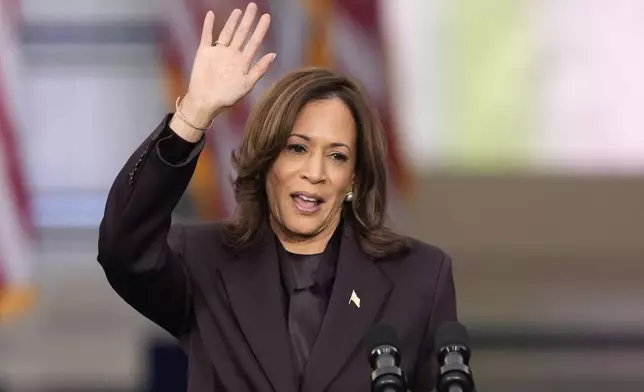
x: 355, y: 299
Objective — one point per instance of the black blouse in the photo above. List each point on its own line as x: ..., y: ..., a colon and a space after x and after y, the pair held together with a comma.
x: 307, y: 281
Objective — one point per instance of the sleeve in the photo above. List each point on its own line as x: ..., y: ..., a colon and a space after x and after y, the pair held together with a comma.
x: 173, y: 149
x: 443, y: 310
x: 142, y: 254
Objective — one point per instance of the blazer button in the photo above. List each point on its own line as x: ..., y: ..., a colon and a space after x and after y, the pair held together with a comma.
x: 137, y: 164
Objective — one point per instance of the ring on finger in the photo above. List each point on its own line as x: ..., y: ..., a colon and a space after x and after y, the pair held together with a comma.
x: 220, y: 43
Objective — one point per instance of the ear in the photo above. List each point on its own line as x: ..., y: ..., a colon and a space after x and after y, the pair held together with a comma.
x: 352, y: 187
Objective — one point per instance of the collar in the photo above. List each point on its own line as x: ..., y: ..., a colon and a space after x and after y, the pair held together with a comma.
x: 315, y: 271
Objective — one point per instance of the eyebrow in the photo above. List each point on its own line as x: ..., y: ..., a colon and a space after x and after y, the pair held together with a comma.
x: 308, y: 139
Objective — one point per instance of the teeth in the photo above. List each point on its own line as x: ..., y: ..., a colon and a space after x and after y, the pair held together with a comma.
x: 307, y: 198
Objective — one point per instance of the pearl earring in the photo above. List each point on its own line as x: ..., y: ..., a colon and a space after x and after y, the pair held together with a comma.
x: 348, y: 197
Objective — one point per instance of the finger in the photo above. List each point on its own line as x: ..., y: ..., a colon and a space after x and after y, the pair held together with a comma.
x: 244, y: 27
x: 261, y: 67
x: 206, y: 31
x: 255, y: 41
x: 227, y: 32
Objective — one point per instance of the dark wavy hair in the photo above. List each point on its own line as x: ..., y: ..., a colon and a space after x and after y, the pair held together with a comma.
x: 267, y: 131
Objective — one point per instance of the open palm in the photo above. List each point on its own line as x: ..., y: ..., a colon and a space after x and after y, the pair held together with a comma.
x: 223, y: 70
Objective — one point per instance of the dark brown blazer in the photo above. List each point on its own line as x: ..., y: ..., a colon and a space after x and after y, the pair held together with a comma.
x: 225, y: 307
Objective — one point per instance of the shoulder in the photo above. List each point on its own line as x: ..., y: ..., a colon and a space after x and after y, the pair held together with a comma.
x: 422, y: 282
x: 421, y: 254
x: 422, y: 262
x: 426, y: 253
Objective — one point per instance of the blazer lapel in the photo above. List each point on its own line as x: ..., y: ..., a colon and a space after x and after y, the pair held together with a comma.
x: 253, y: 285
x: 345, y: 323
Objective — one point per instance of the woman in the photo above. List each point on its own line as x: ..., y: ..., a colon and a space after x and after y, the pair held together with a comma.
x: 279, y: 297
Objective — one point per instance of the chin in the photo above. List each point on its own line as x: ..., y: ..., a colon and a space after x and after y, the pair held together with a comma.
x: 304, y: 230
x: 305, y: 226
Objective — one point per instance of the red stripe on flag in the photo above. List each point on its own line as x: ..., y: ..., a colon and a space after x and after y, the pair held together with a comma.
x: 2, y: 277
x: 11, y: 8
x: 11, y: 163
x: 365, y: 17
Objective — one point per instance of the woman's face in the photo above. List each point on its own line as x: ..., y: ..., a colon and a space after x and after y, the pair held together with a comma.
x: 308, y: 181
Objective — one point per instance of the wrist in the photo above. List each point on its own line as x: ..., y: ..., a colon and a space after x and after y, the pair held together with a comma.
x: 195, y: 113
x: 184, y: 130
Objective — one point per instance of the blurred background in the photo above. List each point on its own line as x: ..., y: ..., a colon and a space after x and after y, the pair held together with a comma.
x: 516, y: 144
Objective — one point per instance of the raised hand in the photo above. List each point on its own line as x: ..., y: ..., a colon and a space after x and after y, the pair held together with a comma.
x: 223, y: 71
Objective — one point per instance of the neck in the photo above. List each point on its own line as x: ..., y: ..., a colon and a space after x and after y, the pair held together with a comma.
x: 304, y: 245
x: 307, y: 246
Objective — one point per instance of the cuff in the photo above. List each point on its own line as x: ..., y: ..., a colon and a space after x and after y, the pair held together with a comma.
x: 175, y: 151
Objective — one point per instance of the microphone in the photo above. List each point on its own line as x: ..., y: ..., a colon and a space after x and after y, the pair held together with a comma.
x: 384, y: 358
x: 452, y: 342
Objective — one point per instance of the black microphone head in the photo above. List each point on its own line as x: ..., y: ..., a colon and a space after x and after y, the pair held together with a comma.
x: 452, y: 332
x: 453, y: 336
x: 381, y: 334
x: 379, y: 339
x: 452, y: 345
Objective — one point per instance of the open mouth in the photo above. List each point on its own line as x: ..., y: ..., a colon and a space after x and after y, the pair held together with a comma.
x: 307, y: 202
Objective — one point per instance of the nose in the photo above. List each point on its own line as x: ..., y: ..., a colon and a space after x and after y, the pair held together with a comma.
x: 313, y: 168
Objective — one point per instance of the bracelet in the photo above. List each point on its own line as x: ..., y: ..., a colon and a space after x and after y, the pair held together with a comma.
x: 183, y: 118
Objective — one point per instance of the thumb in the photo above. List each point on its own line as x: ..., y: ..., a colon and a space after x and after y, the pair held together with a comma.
x: 260, y: 68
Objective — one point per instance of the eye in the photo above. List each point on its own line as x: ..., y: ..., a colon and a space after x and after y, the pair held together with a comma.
x: 296, y: 148
x: 339, y: 157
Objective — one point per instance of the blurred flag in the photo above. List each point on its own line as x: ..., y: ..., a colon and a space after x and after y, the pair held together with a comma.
x: 179, y: 42
x: 16, y: 290
x: 353, y: 29
x: 343, y: 35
